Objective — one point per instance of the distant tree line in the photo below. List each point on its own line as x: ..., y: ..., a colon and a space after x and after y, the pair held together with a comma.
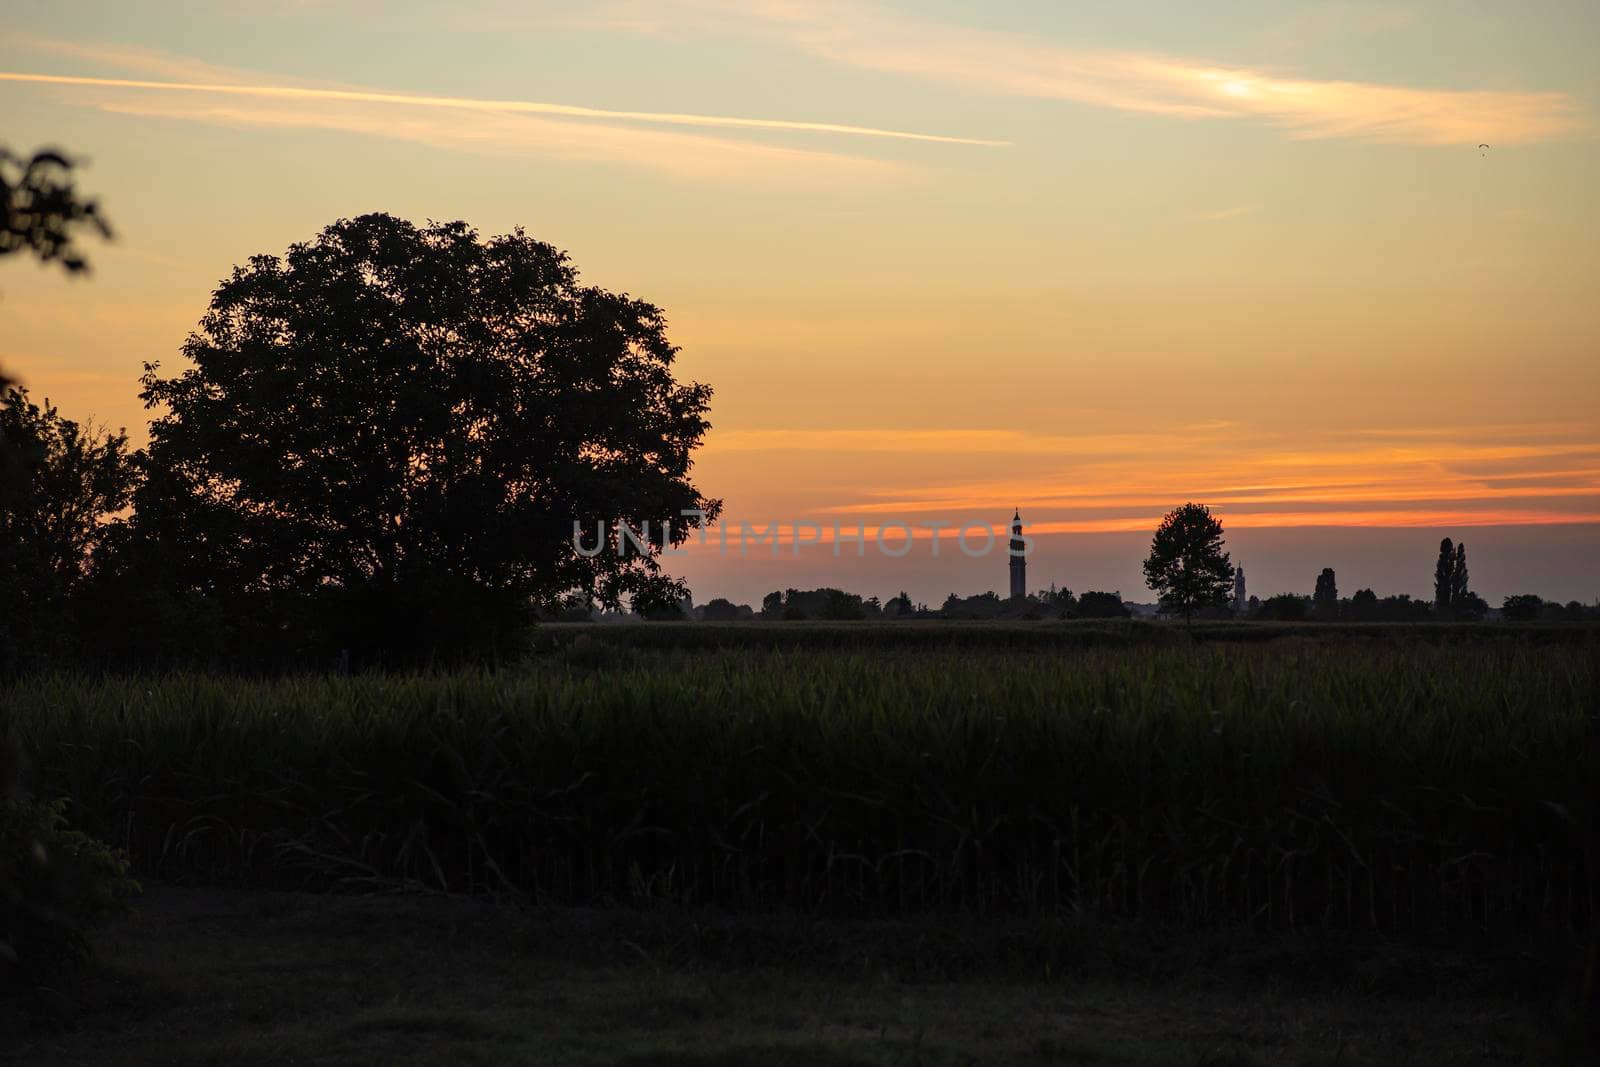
x: 1191, y: 573
x: 1453, y: 601
x: 837, y: 605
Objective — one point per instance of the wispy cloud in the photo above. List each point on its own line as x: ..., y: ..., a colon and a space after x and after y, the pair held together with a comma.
x: 296, y: 94
x: 1019, y: 65
x: 1115, y: 481
x: 683, y: 155
x: 921, y: 441
x: 690, y: 146
x: 132, y: 59
x: 1227, y: 213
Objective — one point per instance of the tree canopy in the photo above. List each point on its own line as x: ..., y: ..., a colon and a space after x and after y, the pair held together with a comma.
x: 402, y: 423
x: 59, y: 482
x: 1325, y: 600
x: 1095, y: 604
x: 1452, y: 596
x: 1187, y: 567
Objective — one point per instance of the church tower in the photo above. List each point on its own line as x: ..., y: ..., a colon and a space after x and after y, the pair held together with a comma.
x: 1239, y: 604
x: 1019, y: 563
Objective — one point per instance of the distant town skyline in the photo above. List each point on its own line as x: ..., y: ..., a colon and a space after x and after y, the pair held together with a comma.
x: 935, y: 259
x: 1388, y: 561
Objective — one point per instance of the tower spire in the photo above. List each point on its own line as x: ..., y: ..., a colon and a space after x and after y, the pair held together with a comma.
x: 1018, y: 557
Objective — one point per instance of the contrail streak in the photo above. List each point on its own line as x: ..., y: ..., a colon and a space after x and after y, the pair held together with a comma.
x: 502, y: 106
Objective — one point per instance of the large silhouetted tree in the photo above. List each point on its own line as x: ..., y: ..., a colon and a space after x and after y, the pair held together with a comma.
x: 400, y: 425
x: 1187, y: 567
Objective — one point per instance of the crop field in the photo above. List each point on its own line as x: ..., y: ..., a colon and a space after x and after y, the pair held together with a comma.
x: 1358, y: 781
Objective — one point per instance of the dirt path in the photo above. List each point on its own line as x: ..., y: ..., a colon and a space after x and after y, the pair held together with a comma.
x: 240, y: 977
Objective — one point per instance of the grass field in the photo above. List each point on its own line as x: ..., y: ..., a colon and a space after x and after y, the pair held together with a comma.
x: 1358, y: 779
x: 843, y: 844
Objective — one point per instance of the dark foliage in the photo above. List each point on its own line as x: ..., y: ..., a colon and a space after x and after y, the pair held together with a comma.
x: 1058, y: 603
x: 1571, y: 611
x: 1524, y: 608
x: 1443, y: 576
x: 1095, y: 604
x: 385, y: 438
x: 826, y: 603
x: 1401, y: 609
x: 1459, y: 591
x: 1285, y: 607
x: 982, y: 606
x: 60, y: 484
x: 1452, y: 596
x: 1187, y: 567
x: 55, y: 883
x: 1469, y: 607
x: 1325, y: 601
x: 720, y: 609
x: 43, y: 209
x: 898, y: 605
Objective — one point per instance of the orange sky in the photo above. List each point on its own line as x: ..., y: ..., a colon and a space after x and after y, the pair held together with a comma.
x: 938, y: 260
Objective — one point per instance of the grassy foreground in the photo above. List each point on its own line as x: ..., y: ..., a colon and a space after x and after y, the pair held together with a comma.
x: 1341, y: 783
x: 249, y: 977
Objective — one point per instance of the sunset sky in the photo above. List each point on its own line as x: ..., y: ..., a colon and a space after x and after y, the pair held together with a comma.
x: 938, y: 260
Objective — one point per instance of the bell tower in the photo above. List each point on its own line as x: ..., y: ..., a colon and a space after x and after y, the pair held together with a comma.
x: 1019, y: 563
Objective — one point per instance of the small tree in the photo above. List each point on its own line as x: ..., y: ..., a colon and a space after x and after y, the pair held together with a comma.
x: 839, y: 605
x: 899, y: 605
x: 1460, y: 593
x: 1096, y: 604
x: 1443, y: 570
x: 1452, y: 596
x: 720, y: 609
x: 1325, y: 601
x: 1470, y: 607
x: 1060, y: 602
x: 1187, y: 567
